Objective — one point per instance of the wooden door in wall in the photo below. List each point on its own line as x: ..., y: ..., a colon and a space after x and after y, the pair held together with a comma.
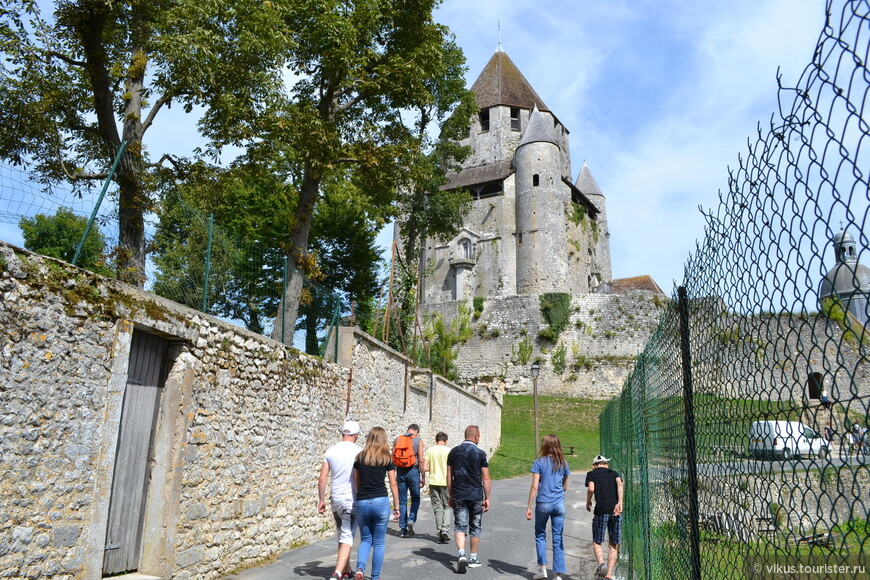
x: 133, y: 458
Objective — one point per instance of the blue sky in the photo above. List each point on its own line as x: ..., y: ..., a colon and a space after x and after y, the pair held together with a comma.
x: 660, y: 97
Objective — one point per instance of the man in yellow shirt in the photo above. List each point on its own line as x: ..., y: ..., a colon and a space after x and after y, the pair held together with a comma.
x: 436, y: 465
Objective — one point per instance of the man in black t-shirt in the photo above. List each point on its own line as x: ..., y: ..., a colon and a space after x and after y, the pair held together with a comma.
x: 469, y: 487
x: 605, y: 486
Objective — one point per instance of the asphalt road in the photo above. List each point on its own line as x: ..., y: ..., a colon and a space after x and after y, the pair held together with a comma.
x: 507, y: 546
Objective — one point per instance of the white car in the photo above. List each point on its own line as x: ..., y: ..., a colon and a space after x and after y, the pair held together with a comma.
x: 785, y: 439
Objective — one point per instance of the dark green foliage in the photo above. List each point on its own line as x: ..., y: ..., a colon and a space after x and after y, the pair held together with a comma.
x: 59, y: 235
x: 555, y: 310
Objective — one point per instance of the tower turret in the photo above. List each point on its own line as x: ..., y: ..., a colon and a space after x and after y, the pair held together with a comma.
x: 600, y: 268
x: 541, y: 199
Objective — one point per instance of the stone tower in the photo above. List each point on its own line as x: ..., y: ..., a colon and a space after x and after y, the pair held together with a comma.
x: 848, y: 280
x: 531, y: 229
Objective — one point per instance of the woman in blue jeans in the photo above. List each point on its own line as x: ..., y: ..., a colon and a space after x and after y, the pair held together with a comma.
x: 371, y: 507
x: 549, y: 481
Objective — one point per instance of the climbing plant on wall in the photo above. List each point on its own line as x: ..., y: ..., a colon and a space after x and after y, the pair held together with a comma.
x: 555, y: 310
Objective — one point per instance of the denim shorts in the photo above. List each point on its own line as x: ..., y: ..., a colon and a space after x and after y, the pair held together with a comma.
x: 468, y: 516
x: 345, y: 522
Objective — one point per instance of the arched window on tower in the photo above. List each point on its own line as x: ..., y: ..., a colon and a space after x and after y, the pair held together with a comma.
x: 466, y: 248
x: 536, y: 180
x: 484, y: 120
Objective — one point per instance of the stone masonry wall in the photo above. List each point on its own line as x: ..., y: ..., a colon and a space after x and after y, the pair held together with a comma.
x: 604, y: 335
x: 242, y: 425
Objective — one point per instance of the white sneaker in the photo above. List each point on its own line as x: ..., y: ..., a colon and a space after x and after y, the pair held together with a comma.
x: 542, y: 573
x: 557, y: 577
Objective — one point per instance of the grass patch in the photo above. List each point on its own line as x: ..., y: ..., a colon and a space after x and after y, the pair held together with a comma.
x: 575, y: 421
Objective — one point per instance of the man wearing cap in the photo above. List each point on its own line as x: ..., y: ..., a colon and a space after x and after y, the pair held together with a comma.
x: 605, y: 486
x: 339, y: 461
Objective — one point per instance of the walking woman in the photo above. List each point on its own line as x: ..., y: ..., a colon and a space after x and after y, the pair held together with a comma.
x: 549, y: 482
x: 373, y: 465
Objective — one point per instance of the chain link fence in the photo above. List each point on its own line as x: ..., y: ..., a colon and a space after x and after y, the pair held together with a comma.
x: 740, y: 434
x: 193, y: 260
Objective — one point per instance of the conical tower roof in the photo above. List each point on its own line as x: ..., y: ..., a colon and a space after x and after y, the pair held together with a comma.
x: 502, y: 83
x: 586, y: 183
x: 540, y: 129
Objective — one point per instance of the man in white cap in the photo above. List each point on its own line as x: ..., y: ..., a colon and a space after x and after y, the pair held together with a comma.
x: 605, y: 486
x: 339, y: 461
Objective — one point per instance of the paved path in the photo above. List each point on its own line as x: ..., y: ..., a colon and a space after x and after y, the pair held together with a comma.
x: 507, y: 546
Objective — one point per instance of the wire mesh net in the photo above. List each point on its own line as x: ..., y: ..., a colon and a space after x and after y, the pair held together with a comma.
x: 740, y: 433
x: 192, y: 260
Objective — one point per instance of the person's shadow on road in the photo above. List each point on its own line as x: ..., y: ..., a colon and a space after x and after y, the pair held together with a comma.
x: 509, y: 570
x: 445, y: 559
x: 316, y: 569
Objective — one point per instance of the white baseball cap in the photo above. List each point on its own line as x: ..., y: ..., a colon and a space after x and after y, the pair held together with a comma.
x: 349, y: 428
x: 600, y: 459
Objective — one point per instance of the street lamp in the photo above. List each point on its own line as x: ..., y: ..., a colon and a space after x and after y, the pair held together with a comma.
x: 536, y: 369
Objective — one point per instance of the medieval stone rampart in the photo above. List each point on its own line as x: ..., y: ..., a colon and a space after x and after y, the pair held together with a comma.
x: 604, y: 334
x: 242, y: 424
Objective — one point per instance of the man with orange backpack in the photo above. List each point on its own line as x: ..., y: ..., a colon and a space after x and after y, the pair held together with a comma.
x: 408, y: 457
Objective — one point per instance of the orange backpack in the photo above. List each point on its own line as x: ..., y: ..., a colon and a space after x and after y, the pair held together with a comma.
x: 403, y: 452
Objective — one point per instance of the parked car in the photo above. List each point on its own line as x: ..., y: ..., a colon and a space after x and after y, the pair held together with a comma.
x: 785, y: 439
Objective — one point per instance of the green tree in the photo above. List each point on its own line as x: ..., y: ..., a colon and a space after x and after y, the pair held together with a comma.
x: 73, y: 86
x: 343, y: 235
x: 370, y: 77
x: 59, y: 235
x: 246, y: 263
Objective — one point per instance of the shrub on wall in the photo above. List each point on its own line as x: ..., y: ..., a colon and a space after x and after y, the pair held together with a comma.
x: 478, y: 306
x: 557, y: 359
x: 555, y: 310
x: 523, y: 352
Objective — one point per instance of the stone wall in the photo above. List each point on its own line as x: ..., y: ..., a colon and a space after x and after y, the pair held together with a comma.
x: 242, y: 425
x: 604, y: 335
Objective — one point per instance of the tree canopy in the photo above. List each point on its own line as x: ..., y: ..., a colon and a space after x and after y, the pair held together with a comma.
x: 59, y: 235
x: 316, y: 90
x: 75, y: 84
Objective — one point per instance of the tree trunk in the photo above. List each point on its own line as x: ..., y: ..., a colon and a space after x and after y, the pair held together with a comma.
x: 297, y: 258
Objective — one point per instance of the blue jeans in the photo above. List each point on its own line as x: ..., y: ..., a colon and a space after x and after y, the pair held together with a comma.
x: 408, y: 480
x: 556, y: 512
x: 372, y: 517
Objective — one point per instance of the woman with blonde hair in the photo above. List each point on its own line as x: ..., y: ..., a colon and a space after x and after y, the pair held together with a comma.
x: 373, y: 465
x: 549, y: 482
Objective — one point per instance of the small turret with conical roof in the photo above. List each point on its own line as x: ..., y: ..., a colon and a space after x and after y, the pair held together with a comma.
x: 541, y: 200
x: 600, y: 271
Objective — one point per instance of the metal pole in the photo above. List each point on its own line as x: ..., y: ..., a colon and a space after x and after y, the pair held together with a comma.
x: 536, y: 369
x: 689, y: 424
x: 99, y: 202
x: 207, y: 263
x: 537, y: 418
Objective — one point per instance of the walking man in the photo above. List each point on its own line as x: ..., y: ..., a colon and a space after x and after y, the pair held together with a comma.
x: 408, y: 457
x: 338, y: 460
x: 469, y: 486
x: 605, y: 486
x: 436, y: 466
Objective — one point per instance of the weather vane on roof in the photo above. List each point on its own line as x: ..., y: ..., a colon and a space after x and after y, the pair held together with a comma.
x: 499, y: 36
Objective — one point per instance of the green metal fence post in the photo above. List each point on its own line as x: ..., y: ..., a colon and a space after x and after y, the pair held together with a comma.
x: 207, y: 263
x: 643, y: 459
x: 99, y: 202
x: 689, y: 424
